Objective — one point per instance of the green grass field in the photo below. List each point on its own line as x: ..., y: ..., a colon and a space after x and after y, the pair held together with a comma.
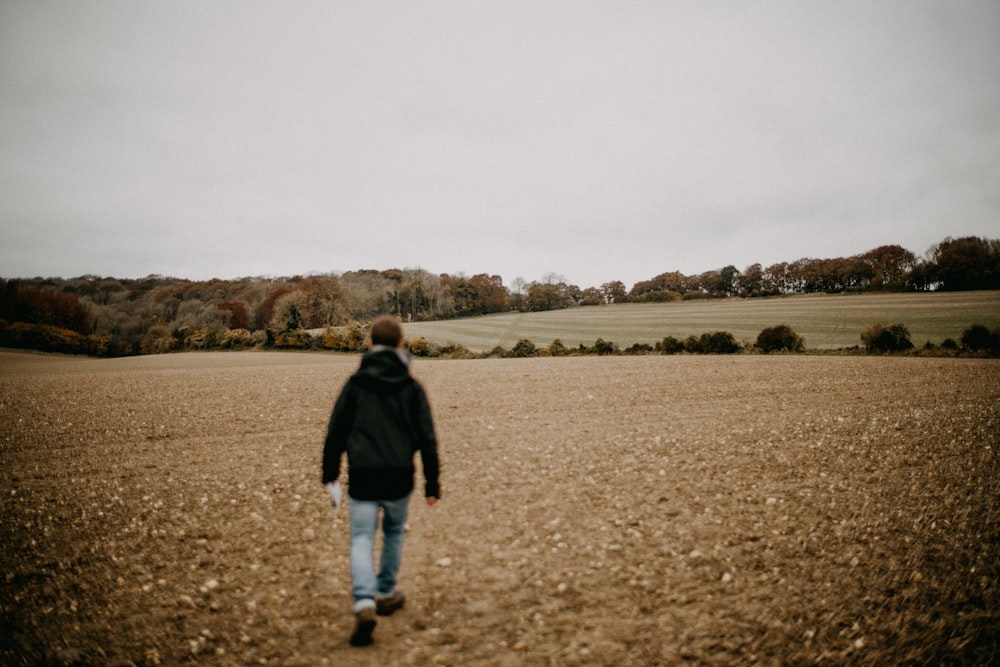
x: 824, y: 321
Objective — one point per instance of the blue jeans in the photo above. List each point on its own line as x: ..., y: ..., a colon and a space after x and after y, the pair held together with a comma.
x: 364, y: 522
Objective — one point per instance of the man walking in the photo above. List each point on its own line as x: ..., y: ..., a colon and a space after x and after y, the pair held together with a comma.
x: 381, y: 419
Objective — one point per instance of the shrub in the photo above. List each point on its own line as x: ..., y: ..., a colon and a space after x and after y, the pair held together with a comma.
x: 719, y: 342
x: 781, y: 337
x: 639, y: 348
x: 259, y: 338
x: 714, y: 342
x: 880, y: 337
x: 978, y: 338
x: 457, y: 351
x: 670, y: 345
x: 523, y: 348
x: 557, y: 349
x: 604, y: 347
x: 193, y: 339
x: 355, y: 336
x: 298, y: 339
x: 332, y: 339
x: 237, y: 339
x: 421, y: 347
x: 949, y: 344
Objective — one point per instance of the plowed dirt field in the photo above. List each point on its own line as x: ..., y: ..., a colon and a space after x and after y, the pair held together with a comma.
x: 686, y: 510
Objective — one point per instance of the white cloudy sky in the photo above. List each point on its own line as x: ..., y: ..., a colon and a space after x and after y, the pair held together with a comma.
x: 600, y: 141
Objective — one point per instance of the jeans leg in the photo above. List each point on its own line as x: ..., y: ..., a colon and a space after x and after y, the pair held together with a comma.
x: 393, y: 530
x: 364, y: 520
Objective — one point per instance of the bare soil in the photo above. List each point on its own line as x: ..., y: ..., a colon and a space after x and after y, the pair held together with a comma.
x: 684, y: 510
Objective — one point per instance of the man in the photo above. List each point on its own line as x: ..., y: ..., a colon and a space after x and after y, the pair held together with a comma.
x: 381, y: 419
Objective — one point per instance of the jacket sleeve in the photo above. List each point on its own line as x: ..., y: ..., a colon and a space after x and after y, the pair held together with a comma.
x: 341, y: 422
x: 427, y: 442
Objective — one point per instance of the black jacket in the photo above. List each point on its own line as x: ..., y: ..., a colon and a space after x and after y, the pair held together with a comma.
x: 381, y: 419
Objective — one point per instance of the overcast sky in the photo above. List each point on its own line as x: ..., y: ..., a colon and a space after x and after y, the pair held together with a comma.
x: 595, y: 140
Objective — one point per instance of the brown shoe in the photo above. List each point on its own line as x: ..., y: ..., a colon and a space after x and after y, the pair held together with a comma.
x: 364, y: 624
x: 390, y: 605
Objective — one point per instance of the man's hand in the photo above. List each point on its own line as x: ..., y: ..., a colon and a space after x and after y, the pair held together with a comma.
x: 431, y: 500
x: 336, y: 493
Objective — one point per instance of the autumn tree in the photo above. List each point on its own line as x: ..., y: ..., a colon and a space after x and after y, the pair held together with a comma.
x: 366, y: 293
x: 775, y: 280
x: 552, y: 293
x: 22, y: 303
x: 417, y: 295
x: 265, y: 310
x: 750, y: 281
x: 542, y: 297
x: 323, y: 303
x: 492, y: 293
x: 668, y: 286
x: 239, y: 318
x: 968, y: 263
x: 614, y: 292
x: 857, y: 273
x: 726, y: 282
x: 288, y: 311
x: 591, y: 296
x: 890, y: 267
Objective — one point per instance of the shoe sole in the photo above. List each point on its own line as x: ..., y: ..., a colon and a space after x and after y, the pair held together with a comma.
x: 363, y: 633
x: 390, y: 609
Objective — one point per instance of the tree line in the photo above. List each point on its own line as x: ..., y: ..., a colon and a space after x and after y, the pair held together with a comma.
x: 119, y: 317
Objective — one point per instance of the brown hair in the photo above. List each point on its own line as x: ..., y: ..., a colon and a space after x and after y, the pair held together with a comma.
x: 386, y: 331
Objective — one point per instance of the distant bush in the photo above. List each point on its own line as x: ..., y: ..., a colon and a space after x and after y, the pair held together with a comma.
x: 670, y: 345
x: 949, y: 344
x: 355, y: 335
x: 332, y: 339
x: 557, y: 349
x: 714, y: 342
x: 237, y: 339
x: 297, y: 339
x: 421, y: 347
x: 880, y: 337
x: 457, y: 351
x: 348, y: 338
x: 781, y: 337
x: 978, y: 338
x: 603, y: 347
x: 639, y: 348
x: 523, y: 348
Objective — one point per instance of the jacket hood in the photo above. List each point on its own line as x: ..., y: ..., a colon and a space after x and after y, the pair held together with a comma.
x: 383, y: 370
